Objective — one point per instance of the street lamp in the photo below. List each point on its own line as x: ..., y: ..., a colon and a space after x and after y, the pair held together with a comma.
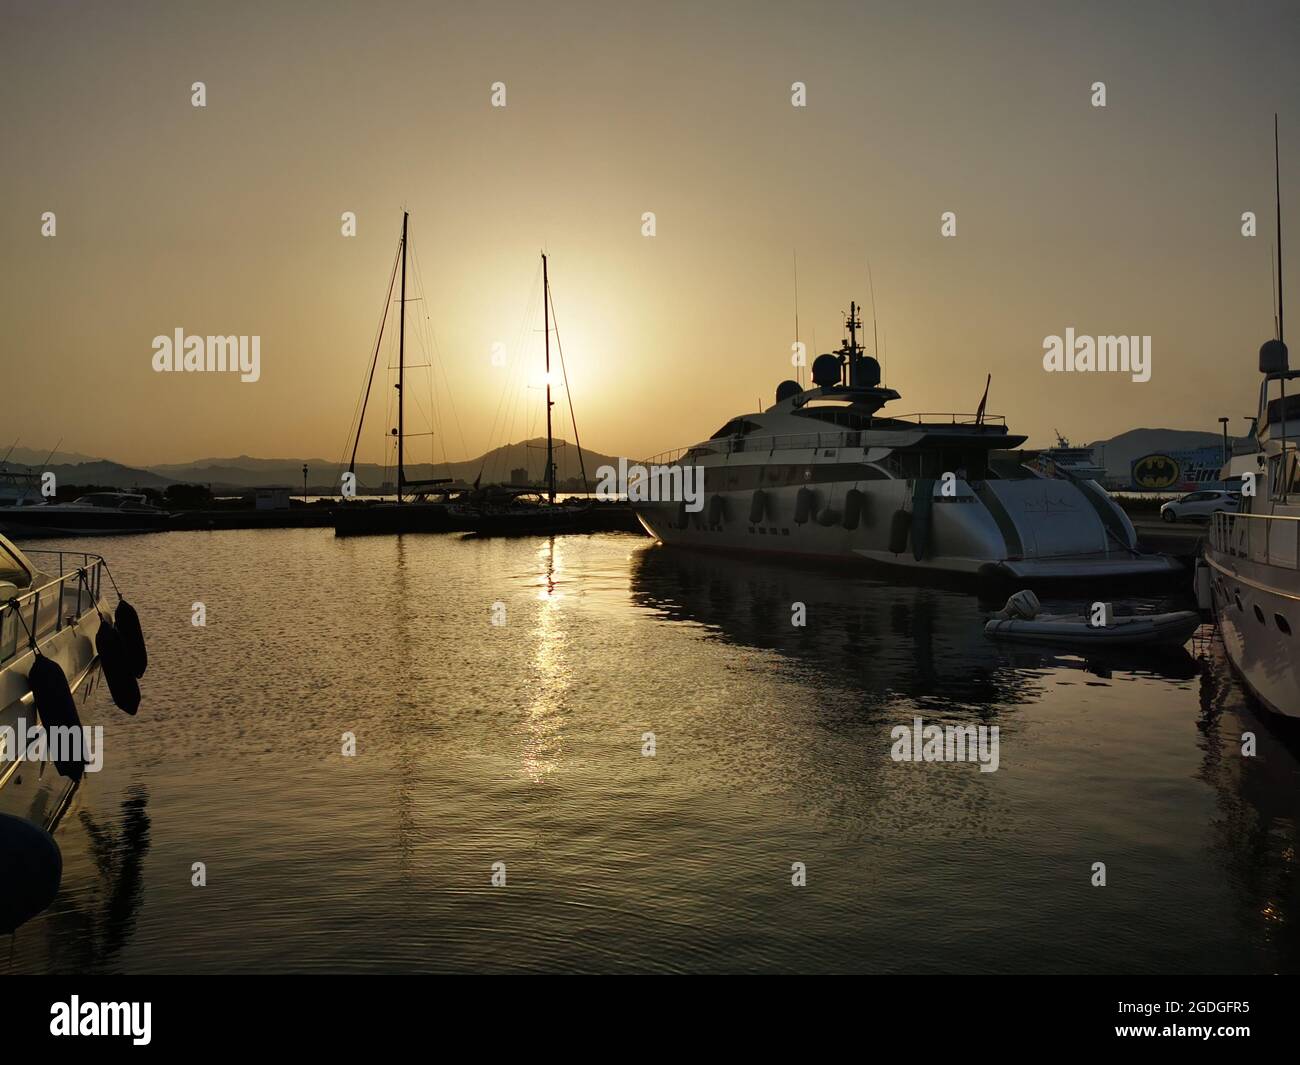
x: 304, y: 481
x: 1224, y: 423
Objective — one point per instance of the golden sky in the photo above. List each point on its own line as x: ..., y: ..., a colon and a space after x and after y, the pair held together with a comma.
x: 226, y: 219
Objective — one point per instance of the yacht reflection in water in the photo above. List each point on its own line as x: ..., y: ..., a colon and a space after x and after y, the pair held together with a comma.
x: 884, y: 640
x: 1258, y: 823
x: 87, y: 930
x: 904, y: 649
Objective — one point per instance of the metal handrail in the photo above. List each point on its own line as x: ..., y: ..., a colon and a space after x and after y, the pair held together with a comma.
x: 1225, y: 537
x: 86, y: 578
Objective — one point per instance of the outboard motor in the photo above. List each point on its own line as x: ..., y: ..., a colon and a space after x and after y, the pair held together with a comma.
x: 1023, y: 605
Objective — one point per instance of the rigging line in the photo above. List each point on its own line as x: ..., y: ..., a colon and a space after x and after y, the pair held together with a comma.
x: 496, y: 417
x: 505, y: 392
x: 370, y: 380
x: 429, y: 341
x: 506, y: 402
x: 573, y: 417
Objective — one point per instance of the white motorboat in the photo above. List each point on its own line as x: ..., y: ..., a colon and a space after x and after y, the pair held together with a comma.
x: 1254, y: 555
x: 823, y: 474
x: 94, y: 514
x: 49, y: 603
x: 54, y: 635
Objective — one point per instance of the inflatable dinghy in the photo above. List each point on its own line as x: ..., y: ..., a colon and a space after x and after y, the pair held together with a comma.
x: 1020, y: 620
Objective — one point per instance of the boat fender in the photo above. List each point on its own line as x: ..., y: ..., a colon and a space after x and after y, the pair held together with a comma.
x: 855, y: 502
x: 56, y: 707
x: 1202, y: 583
x: 31, y: 868
x: 899, y: 527
x: 117, y: 670
x: 128, y: 627
x: 829, y: 516
x: 922, y: 517
x: 757, y: 507
x: 717, y: 510
x: 805, y: 505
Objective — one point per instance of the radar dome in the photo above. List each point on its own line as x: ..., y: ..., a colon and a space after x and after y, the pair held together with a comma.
x: 868, y: 372
x: 1272, y: 357
x: 826, y: 370
x: 786, y: 389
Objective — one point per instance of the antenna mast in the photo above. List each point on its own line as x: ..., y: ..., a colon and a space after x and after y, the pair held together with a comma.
x: 546, y: 320
x: 798, y: 370
x: 1277, y: 187
x: 401, y: 363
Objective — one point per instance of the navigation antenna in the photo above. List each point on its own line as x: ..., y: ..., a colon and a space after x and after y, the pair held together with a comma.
x: 875, y: 340
x: 1277, y: 188
x: 798, y: 370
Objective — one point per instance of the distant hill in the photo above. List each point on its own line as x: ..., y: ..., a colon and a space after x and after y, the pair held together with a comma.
x: 242, y: 472
x: 102, y: 473
x: 37, y: 456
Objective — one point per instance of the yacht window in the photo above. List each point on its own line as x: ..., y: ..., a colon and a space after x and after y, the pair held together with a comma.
x: 14, y: 568
x: 841, y: 416
x: 735, y: 427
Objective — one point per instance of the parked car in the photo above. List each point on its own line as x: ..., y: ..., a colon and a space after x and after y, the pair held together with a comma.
x: 1200, y: 505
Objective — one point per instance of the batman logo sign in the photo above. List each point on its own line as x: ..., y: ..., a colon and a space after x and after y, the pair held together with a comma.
x: 1155, y: 472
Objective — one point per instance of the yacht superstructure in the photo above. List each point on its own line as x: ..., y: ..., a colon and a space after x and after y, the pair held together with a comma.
x: 822, y: 473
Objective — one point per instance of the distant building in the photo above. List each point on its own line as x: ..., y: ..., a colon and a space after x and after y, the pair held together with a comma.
x: 519, y: 476
x: 1180, y: 470
x: 273, y: 497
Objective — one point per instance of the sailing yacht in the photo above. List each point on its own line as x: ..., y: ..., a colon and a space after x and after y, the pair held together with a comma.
x: 503, y: 511
x: 1254, y: 555
x: 421, y: 505
x: 823, y: 474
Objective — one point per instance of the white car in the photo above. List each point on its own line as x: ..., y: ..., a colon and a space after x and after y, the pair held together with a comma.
x: 1200, y: 505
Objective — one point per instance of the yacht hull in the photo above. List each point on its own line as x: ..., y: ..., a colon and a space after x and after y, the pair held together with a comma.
x: 32, y: 523
x: 387, y: 518
x: 36, y: 791
x: 1265, y: 656
x: 1032, y: 531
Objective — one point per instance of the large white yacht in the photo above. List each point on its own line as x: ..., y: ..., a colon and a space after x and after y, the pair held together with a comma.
x: 822, y: 473
x: 1254, y: 555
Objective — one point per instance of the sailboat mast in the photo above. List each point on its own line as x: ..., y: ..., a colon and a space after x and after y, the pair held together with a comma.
x: 401, y: 364
x: 550, y: 446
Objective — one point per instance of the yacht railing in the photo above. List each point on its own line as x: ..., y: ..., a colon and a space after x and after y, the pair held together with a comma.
x: 1270, y: 539
x: 829, y: 439
x: 45, y: 609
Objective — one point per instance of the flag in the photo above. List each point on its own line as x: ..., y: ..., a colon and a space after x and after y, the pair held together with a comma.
x: 979, y: 413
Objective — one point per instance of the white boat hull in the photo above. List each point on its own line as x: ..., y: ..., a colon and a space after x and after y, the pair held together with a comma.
x: 1265, y: 656
x: 1059, y: 533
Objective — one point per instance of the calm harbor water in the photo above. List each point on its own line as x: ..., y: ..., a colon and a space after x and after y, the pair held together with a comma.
x: 522, y: 743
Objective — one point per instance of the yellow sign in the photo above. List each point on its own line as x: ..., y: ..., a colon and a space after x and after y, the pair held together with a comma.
x: 1156, y: 472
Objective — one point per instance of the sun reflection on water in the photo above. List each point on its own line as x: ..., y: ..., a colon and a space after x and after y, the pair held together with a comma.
x: 544, y: 719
